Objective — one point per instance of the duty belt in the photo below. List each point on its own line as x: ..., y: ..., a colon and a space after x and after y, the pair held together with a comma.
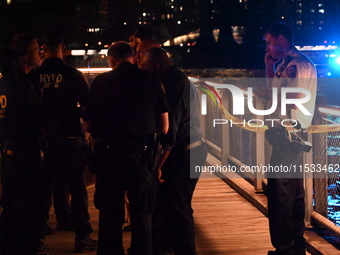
x: 195, y: 144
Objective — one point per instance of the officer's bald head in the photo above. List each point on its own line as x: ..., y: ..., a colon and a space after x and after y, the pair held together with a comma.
x: 156, y: 60
x: 119, y: 52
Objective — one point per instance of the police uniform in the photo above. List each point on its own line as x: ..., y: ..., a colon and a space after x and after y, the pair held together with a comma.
x: 21, y: 220
x: 124, y: 104
x: 286, y: 206
x: 64, y: 93
x: 174, y: 224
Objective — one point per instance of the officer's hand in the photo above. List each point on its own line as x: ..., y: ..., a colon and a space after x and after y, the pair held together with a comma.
x: 268, y: 60
x: 158, y: 176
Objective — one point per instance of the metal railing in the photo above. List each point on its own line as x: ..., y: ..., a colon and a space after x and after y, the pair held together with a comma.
x: 237, y: 146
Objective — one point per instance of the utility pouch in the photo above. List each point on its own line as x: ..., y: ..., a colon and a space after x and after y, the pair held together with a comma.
x: 152, y: 153
x: 281, y: 140
x: 298, y: 142
x: 277, y: 138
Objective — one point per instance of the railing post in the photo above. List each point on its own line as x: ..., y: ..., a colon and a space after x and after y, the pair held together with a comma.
x: 202, y: 117
x: 308, y: 185
x: 225, y: 132
x: 260, y: 149
x: 320, y: 146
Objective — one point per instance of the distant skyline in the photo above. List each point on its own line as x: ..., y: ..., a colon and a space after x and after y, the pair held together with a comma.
x: 103, y: 21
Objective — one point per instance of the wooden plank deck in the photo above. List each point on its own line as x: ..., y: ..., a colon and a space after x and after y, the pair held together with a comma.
x: 226, y: 224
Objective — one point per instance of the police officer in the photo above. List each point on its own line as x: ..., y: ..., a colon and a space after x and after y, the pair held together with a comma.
x: 21, y: 220
x: 183, y: 149
x: 287, y: 67
x: 64, y: 93
x: 127, y: 107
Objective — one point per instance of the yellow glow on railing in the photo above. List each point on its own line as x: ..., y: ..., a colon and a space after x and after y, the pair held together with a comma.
x: 245, y: 92
x: 193, y: 79
x: 211, y: 83
x: 94, y: 70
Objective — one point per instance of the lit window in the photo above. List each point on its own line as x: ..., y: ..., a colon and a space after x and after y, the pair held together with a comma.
x: 312, y: 10
x: 9, y: 2
x: 299, y: 22
x: 283, y: 17
x: 179, y: 22
x: 144, y: 14
x: 181, y: 8
x: 125, y: 23
x: 299, y: 11
x: 322, y: 11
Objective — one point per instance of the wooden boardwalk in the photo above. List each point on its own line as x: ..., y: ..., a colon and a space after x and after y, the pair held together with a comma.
x: 226, y: 224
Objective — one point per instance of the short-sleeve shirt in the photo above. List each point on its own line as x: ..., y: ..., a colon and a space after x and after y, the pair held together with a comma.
x: 64, y: 94
x: 19, y: 112
x: 124, y: 104
x: 184, y: 110
x: 302, y: 75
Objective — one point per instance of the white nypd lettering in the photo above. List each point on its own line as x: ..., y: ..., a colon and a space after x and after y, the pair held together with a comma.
x: 3, y: 101
x: 3, y: 105
x: 51, y: 80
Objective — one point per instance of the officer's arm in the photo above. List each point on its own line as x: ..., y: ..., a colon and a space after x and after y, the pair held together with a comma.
x: 86, y: 125
x: 158, y: 172
x: 269, y: 63
x: 162, y: 123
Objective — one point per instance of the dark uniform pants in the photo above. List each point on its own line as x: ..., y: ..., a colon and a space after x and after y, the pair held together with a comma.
x: 21, y: 220
x: 65, y: 174
x: 116, y: 173
x: 286, y: 207
x: 173, y: 219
